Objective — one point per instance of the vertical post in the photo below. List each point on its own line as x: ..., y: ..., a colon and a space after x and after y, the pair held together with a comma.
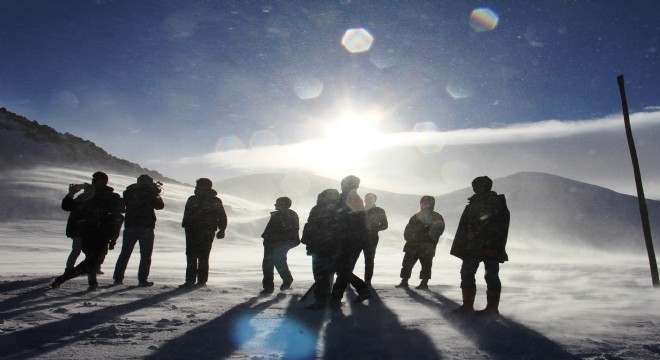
x: 638, y: 182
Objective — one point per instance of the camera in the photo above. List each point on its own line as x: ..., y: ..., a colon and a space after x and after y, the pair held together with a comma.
x: 159, y: 187
x: 83, y: 186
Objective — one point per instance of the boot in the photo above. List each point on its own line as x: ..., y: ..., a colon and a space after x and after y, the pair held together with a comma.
x: 403, y: 283
x: 424, y: 285
x: 493, y: 302
x: 468, y: 302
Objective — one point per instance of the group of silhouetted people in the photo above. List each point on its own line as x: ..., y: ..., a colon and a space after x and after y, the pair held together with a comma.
x: 340, y: 227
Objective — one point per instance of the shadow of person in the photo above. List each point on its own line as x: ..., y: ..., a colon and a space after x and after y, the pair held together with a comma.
x: 6, y: 286
x: 45, y: 338
x: 218, y: 338
x: 374, y: 332
x: 34, y: 300
x: 501, y: 338
x: 298, y: 333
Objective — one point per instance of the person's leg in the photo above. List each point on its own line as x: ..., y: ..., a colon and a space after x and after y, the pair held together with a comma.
x: 203, y: 267
x: 267, y: 268
x: 369, y: 260
x: 425, y: 273
x: 282, y: 267
x: 76, y: 249
x: 146, y: 240
x: 494, y: 287
x: 322, y: 269
x: 409, y: 260
x: 468, y: 285
x: 127, y: 245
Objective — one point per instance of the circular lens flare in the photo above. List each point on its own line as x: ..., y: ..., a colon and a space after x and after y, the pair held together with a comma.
x: 483, y: 19
x: 357, y: 40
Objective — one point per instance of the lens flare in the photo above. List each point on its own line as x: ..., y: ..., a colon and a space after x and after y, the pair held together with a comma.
x: 428, y: 146
x: 357, y: 40
x: 483, y: 19
x: 309, y: 88
x: 229, y: 143
x: 264, y: 138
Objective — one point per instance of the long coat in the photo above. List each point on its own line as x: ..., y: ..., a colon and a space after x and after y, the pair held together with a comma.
x: 141, y: 200
x: 204, y: 212
x: 484, y: 227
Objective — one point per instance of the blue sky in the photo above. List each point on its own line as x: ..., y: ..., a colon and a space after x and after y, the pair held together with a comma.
x: 152, y: 81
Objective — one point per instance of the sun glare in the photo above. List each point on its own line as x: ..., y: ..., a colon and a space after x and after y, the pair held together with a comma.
x: 351, y: 125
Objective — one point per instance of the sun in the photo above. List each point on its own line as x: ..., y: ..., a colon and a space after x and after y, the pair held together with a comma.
x: 349, y: 125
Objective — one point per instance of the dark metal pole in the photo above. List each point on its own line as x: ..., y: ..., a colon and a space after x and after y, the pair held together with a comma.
x: 638, y: 182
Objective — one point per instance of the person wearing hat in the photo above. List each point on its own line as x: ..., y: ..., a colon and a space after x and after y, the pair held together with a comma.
x: 99, y: 224
x: 140, y: 199
x: 481, y: 237
x: 281, y: 234
x: 202, y: 217
x: 351, y: 242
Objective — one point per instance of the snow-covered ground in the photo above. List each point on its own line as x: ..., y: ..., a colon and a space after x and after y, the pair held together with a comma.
x: 557, y: 303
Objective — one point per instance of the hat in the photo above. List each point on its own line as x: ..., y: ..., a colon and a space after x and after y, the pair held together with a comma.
x: 203, y: 183
x: 144, y: 179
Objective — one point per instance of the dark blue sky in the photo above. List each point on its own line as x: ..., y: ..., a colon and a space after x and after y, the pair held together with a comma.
x: 168, y: 78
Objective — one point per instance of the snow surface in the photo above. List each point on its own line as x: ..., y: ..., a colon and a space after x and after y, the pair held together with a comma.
x: 557, y: 303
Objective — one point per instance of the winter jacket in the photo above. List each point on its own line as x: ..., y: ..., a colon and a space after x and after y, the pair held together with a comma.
x: 376, y: 221
x: 282, y: 229
x: 323, y: 230
x: 76, y: 216
x: 204, y: 212
x: 141, y: 200
x: 484, y: 227
x: 423, y: 233
x: 354, y: 236
x: 101, y: 216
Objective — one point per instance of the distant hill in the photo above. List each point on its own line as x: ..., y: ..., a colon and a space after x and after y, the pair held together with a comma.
x: 26, y: 144
x: 544, y: 208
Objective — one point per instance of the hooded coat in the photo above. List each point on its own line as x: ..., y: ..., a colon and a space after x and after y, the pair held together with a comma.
x: 423, y: 233
x: 204, y: 212
x: 484, y: 225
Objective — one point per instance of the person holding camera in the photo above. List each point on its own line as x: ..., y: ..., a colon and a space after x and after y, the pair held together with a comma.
x: 140, y: 199
x: 202, y: 217
x: 98, y: 221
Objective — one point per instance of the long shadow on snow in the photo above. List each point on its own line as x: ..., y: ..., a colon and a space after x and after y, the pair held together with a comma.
x: 34, y: 300
x: 42, y: 339
x: 374, y: 332
x: 22, y: 284
x: 218, y: 338
x: 299, y: 331
x: 500, y: 337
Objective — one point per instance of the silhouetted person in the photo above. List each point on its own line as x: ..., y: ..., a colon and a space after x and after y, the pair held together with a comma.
x: 99, y: 222
x: 202, y: 217
x: 352, y: 241
x: 73, y: 228
x: 376, y: 221
x: 140, y: 199
x: 321, y: 234
x: 422, y: 235
x: 280, y: 235
x: 481, y: 236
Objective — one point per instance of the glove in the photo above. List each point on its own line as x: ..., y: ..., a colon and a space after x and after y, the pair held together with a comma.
x: 220, y: 234
x: 491, y: 253
x: 111, y: 245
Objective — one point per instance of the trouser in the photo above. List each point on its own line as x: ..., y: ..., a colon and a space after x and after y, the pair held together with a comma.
x: 469, y: 270
x: 76, y: 249
x: 198, y: 250
x: 133, y: 235
x: 94, y: 254
x: 323, y: 268
x: 410, y: 259
x: 275, y: 257
x: 369, y: 257
x: 344, y: 266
